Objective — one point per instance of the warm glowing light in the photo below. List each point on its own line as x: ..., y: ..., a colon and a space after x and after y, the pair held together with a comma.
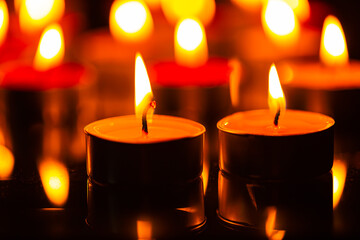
x: 279, y: 22
x: 50, y: 52
x: 144, y: 230
x: 339, y: 170
x: 6, y: 162
x: 271, y: 233
x: 175, y: 10
x: 4, y: 20
x: 205, y: 174
x: 333, y: 48
x: 143, y: 93
x: 276, y: 97
x: 190, y: 43
x: 301, y: 8
x: 34, y: 15
x: 55, y: 180
x: 153, y: 4
x: 130, y: 20
x: 252, y: 5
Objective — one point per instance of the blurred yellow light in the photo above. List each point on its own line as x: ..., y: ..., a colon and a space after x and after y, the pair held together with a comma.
x: 175, y: 10
x: 34, y: 15
x: 279, y: 22
x: 55, y: 180
x: 50, y: 52
x: 190, y: 43
x: 301, y: 8
x: 333, y: 47
x: 276, y: 98
x: 143, y: 93
x: 130, y: 20
x: 4, y: 21
x: 6, y: 162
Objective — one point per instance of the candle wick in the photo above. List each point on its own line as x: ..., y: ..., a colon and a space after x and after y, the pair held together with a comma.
x: 276, y: 119
x: 145, y: 130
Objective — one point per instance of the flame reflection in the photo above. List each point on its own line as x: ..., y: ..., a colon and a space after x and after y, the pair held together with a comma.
x: 339, y: 170
x: 6, y: 162
x: 144, y: 230
x: 270, y: 230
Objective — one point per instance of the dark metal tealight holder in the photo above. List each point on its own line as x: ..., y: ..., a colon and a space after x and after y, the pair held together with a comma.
x: 156, y: 182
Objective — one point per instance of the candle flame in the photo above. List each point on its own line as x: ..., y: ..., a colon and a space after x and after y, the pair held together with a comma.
x: 143, y: 93
x: 333, y: 48
x: 130, y: 20
x: 175, y: 10
x: 339, y: 170
x: 190, y: 43
x: 144, y: 230
x: 4, y: 21
x: 55, y: 180
x: 271, y: 233
x: 50, y: 52
x: 279, y: 22
x: 276, y: 99
x: 34, y: 15
x: 6, y: 162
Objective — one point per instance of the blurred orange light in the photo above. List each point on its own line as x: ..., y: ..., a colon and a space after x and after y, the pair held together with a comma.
x: 333, y: 47
x: 130, y: 20
x: 55, y: 180
x: 251, y: 5
x: 301, y: 8
x: 144, y: 230
x: 175, y: 10
x: 50, y: 52
x: 34, y: 15
x: 271, y: 233
x: 190, y: 43
x: 280, y: 23
x: 6, y: 162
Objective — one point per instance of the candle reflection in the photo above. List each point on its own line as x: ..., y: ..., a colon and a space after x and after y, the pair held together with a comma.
x: 6, y: 162
x: 144, y: 229
x: 270, y: 224
x: 339, y: 170
x: 55, y: 180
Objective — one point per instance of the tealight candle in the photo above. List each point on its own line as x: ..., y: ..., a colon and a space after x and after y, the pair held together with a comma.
x: 143, y: 151
x: 276, y: 143
x: 40, y: 105
x: 328, y: 86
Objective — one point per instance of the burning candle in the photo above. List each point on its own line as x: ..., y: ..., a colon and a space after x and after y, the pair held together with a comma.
x: 328, y: 86
x: 143, y: 150
x: 43, y: 96
x: 276, y: 143
x: 34, y: 15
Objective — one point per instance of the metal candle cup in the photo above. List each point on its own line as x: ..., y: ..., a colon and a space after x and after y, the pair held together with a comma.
x: 250, y: 145
x: 171, y: 153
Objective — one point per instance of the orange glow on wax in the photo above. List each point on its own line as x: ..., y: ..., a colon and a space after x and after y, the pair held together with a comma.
x: 339, y: 171
x: 4, y: 21
x: 34, y: 15
x: 276, y: 98
x: 130, y: 21
x: 190, y: 43
x: 175, y: 10
x: 280, y: 23
x: 333, y: 47
x: 143, y: 92
x: 144, y: 230
x: 270, y: 231
x: 50, y: 52
x: 6, y: 162
x: 55, y: 180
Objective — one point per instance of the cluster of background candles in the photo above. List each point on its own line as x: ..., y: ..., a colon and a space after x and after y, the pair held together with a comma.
x: 204, y: 62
